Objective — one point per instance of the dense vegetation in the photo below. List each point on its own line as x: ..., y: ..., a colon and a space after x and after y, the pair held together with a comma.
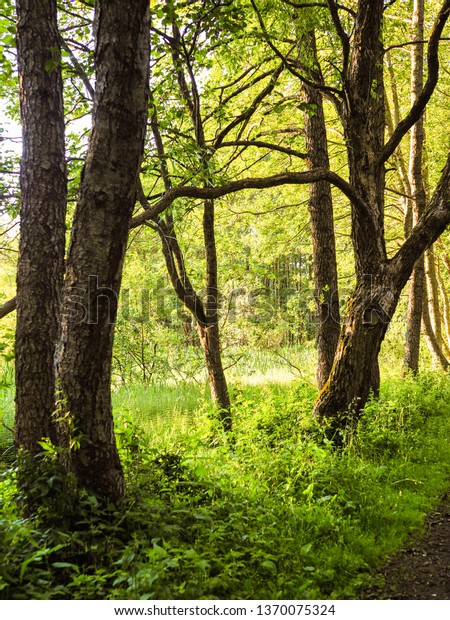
x: 271, y: 512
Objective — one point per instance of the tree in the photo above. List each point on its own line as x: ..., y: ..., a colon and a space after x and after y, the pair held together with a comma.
x: 42, y: 216
x: 79, y: 345
x: 417, y: 193
x: 98, y: 243
x: 320, y: 208
x: 379, y: 279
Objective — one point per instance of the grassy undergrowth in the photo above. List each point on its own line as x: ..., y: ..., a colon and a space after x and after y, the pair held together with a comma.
x: 274, y: 513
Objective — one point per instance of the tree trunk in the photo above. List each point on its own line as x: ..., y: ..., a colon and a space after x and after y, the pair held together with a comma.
x: 414, y: 318
x: 42, y: 220
x: 320, y: 207
x: 439, y: 359
x: 416, y: 291
x: 205, y: 313
x: 341, y: 401
x: 98, y: 243
x: 433, y: 296
x: 210, y: 341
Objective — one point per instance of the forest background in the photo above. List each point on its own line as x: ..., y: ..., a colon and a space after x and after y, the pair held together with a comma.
x: 260, y: 237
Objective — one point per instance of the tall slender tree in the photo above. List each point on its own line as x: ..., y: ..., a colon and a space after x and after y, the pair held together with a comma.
x: 42, y: 220
x: 418, y: 194
x: 98, y: 243
x: 320, y: 206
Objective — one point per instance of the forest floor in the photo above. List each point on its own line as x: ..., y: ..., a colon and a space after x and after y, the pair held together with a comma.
x: 421, y: 571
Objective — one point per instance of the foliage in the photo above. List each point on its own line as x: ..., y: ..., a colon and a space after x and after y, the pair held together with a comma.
x: 273, y: 513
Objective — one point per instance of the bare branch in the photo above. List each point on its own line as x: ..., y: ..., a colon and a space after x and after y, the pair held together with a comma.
x: 286, y: 178
x: 343, y: 36
x: 433, y: 73
x: 265, y: 145
x: 8, y: 307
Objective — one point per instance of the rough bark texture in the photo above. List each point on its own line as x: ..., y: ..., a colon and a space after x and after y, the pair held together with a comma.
x: 418, y: 194
x: 42, y: 220
x: 320, y: 208
x: 99, y: 236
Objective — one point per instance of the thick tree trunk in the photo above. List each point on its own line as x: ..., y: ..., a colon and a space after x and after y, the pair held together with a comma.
x: 418, y: 194
x: 343, y: 397
x: 42, y: 220
x: 320, y: 207
x: 379, y: 280
x: 98, y: 243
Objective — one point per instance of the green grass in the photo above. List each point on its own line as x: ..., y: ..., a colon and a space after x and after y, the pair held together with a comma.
x: 272, y: 513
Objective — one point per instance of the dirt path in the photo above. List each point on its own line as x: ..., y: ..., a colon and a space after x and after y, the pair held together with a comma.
x: 421, y: 571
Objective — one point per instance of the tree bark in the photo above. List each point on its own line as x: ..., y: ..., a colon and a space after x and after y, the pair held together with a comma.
x: 418, y: 194
x: 320, y: 208
x: 98, y: 243
x: 42, y: 220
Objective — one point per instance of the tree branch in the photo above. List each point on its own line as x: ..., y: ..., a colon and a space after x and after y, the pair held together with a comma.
x: 8, y: 307
x: 430, y: 226
x: 334, y: 93
x: 343, y: 36
x: 245, y: 116
x: 433, y: 73
x: 265, y: 145
x: 286, y: 178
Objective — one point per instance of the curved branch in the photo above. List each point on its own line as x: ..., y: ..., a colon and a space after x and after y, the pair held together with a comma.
x: 343, y: 36
x: 286, y: 178
x: 433, y: 73
x: 8, y: 307
x: 265, y: 145
x: 334, y: 93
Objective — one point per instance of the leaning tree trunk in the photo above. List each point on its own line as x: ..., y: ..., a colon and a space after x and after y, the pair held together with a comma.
x: 368, y: 314
x: 210, y: 341
x: 320, y: 208
x: 98, y: 243
x: 42, y: 221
